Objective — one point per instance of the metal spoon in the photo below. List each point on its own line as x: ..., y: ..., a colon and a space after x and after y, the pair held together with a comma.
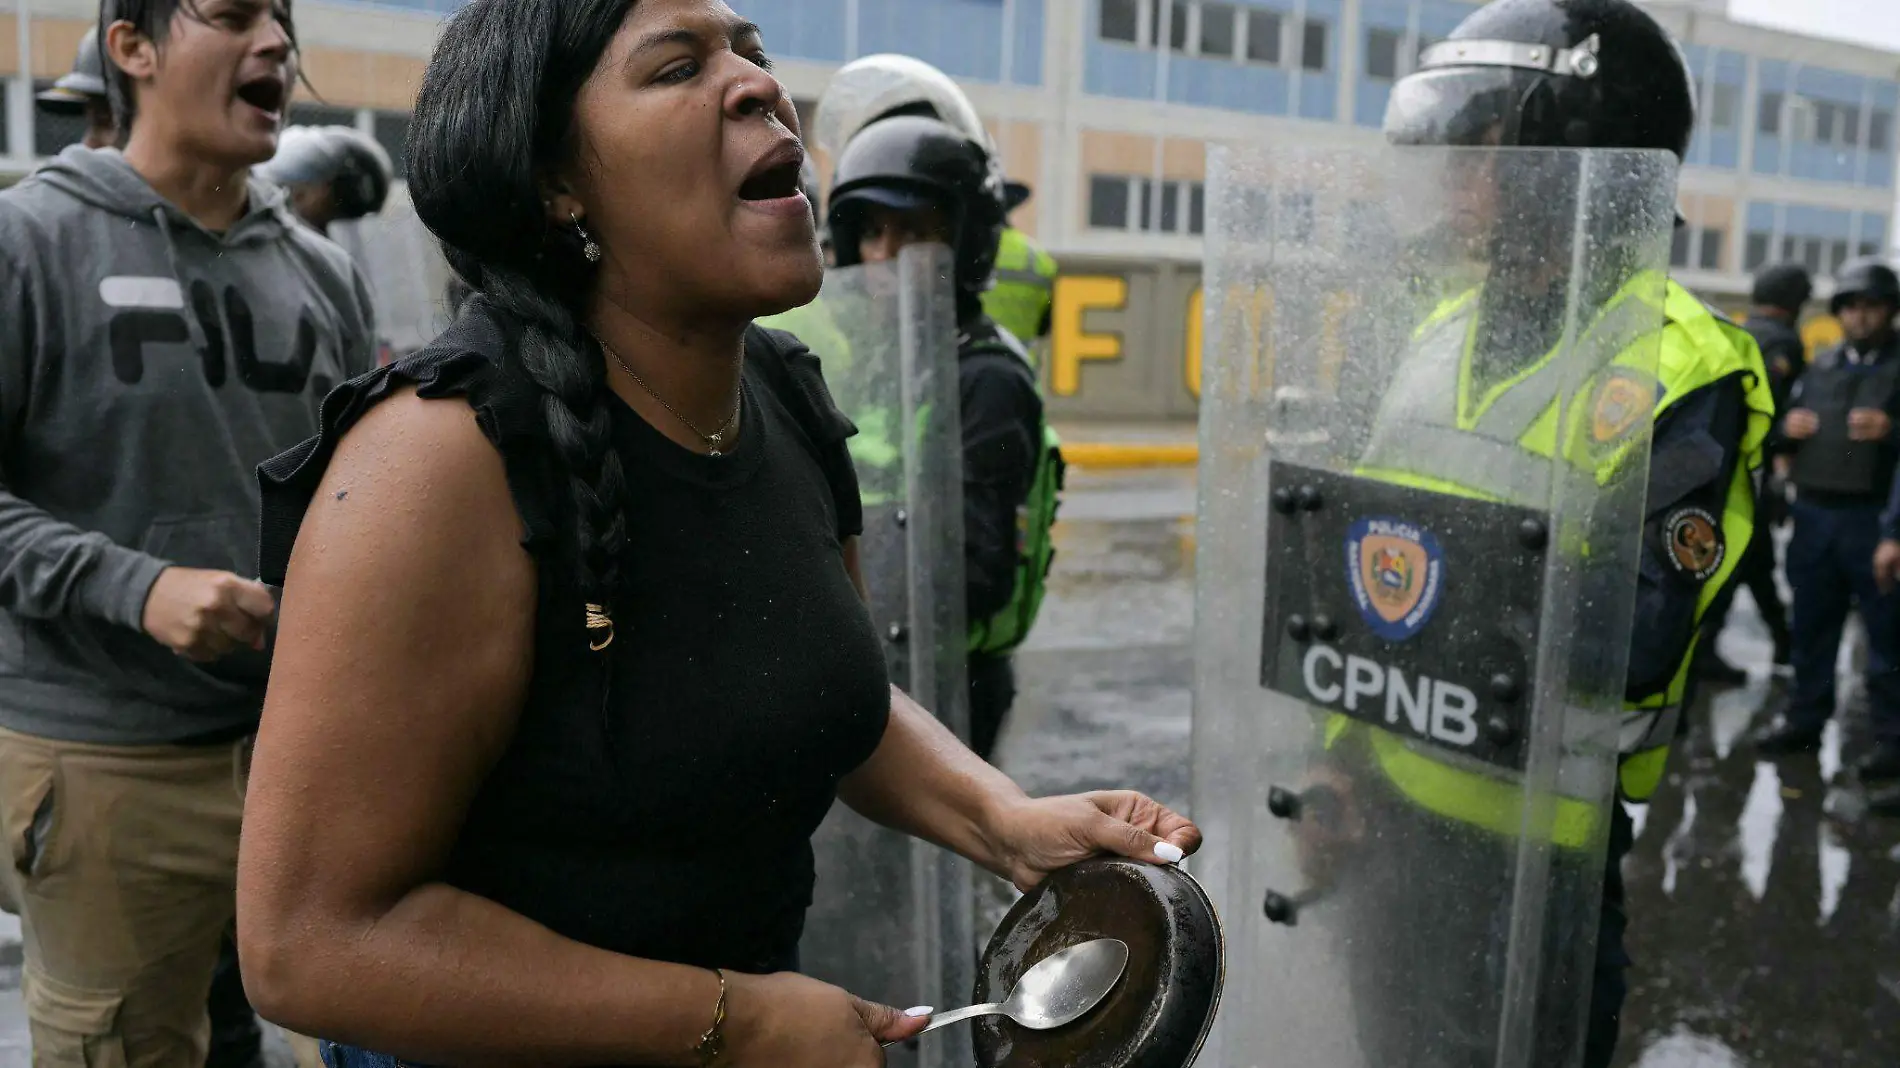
x: 1059, y: 990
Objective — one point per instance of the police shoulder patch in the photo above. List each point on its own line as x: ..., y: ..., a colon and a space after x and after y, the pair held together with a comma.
x: 1623, y: 400
x: 1695, y: 544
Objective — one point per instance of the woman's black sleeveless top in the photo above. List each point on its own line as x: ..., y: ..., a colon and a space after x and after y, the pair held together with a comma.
x: 658, y: 798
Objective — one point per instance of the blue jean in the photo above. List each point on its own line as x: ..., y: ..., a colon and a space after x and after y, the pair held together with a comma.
x: 336, y: 1055
x: 1830, y: 566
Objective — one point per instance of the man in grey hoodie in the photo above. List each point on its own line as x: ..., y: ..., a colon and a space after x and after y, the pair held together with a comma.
x: 167, y: 326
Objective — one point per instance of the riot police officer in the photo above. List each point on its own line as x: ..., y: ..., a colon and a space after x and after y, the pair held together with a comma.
x: 909, y: 179
x: 82, y: 92
x: 1598, y: 74
x: 333, y: 174
x: 1840, y: 434
x: 1024, y: 292
x: 1776, y: 301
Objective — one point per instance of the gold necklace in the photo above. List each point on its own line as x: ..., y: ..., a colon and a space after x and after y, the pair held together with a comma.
x: 715, y: 441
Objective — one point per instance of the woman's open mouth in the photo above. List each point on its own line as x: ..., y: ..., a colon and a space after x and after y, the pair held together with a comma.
x: 779, y: 182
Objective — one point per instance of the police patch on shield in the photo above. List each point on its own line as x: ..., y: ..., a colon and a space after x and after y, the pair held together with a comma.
x: 1397, y: 575
x: 1623, y: 400
x: 1696, y: 546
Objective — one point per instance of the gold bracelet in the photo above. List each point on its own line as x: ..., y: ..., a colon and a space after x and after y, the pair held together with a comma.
x: 712, y: 1044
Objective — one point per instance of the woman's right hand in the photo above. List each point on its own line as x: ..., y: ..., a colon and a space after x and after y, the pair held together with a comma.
x: 791, y: 1021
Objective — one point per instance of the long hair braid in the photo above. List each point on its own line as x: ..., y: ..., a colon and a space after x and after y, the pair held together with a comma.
x: 566, y: 362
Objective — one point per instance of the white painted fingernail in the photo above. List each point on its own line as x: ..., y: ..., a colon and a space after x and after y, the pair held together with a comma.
x: 1169, y: 853
x: 919, y: 1012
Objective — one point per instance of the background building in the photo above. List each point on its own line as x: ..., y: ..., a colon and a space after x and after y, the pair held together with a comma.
x: 1106, y: 106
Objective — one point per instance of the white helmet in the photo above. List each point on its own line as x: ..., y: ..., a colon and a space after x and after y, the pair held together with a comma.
x: 356, y: 168
x: 870, y: 88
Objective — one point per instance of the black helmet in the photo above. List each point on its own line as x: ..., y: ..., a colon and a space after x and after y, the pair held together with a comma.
x: 1552, y: 74
x: 1785, y: 285
x: 1869, y: 277
x: 910, y: 162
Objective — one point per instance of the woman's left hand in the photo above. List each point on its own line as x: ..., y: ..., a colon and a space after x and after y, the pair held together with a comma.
x: 1035, y: 838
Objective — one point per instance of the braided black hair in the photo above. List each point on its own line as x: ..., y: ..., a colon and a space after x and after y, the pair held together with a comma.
x: 495, y: 116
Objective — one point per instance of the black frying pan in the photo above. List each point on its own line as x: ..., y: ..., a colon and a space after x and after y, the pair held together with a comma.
x: 1159, y: 1014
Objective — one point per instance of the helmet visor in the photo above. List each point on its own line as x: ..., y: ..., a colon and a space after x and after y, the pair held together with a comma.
x: 1459, y: 106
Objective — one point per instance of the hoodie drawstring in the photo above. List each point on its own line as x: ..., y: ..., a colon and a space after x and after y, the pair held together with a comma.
x: 192, y: 326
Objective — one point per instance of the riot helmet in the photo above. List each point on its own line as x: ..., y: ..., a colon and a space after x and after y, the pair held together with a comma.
x: 1015, y: 195
x: 882, y: 86
x: 85, y: 82
x: 1549, y: 74
x: 911, y: 163
x: 1785, y: 285
x: 1869, y: 278
x: 334, y: 173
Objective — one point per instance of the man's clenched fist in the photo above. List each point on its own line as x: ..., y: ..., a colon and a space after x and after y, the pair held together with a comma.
x: 204, y: 615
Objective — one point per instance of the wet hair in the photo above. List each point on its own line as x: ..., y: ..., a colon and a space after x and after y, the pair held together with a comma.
x: 153, y: 18
x: 494, y: 117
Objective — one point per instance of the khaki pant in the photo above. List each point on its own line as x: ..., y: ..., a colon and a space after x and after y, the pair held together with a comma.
x: 123, y: 862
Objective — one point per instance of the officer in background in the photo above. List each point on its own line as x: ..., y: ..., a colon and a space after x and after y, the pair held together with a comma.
x: 82, y: 93
x: 332, y: 173
x: 905, y: 180
x: 1024, y: 292
x: 1713, y: 407
x: 1840, y: 434
x: 1780, y: 292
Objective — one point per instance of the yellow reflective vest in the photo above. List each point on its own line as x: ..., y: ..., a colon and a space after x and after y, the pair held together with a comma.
x: 1437, y: 452
x: 1024, y: 289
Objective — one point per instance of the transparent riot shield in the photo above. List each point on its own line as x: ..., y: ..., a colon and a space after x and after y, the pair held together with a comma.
x: 892, y: 917
x: 407, y: 275
x: 1428, y: 387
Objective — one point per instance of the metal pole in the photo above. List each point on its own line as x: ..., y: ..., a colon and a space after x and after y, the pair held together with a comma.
x: 22, y: 96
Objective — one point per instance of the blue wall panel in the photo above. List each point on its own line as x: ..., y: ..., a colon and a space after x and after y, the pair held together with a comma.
x: 1225, y: 84
x: 1437, y: 18
x: 803, y: 29
x: 1371, y: 94
x: 961, y: 37
x: 1027, y: 63
x: 1118, y: 70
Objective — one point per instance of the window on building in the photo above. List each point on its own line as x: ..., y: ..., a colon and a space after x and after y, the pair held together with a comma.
x: 392, y: 132
x: 5, y: 88
x: 52, y: 133
x: 1172, y: 209
x: 1821, y: 131
x: 1870, y: 248
x: 1197, y: 208
x: 1712, y: 241
x: 1755, y: 256
x: 1768, y: 119
x: 1108, y: 202
x: 1724, y: 102
x: 1790, y: 249
x: 1850, y: 126
x: 321, y: 115
x: 1313, y: 45
x: 1836, y: 255
x: 1382, y: 54
x: 1296, y: 211
x: 1121, y: 20
x: 1177, y: 24
x: 1264, y: 31
x: 1813, y: 249
x: 1679, y: 247
x: 1880, y: 131
x: 1141, y: 191
x: 1218, y: 29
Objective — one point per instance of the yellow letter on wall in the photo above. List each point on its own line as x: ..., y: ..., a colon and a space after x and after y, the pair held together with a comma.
x: 1075, y: 296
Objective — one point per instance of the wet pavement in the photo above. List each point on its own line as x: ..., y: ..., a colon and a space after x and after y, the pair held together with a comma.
x: 1766, y: 907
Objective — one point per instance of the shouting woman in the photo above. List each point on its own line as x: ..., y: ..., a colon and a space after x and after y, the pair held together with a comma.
x: 573, y: 658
